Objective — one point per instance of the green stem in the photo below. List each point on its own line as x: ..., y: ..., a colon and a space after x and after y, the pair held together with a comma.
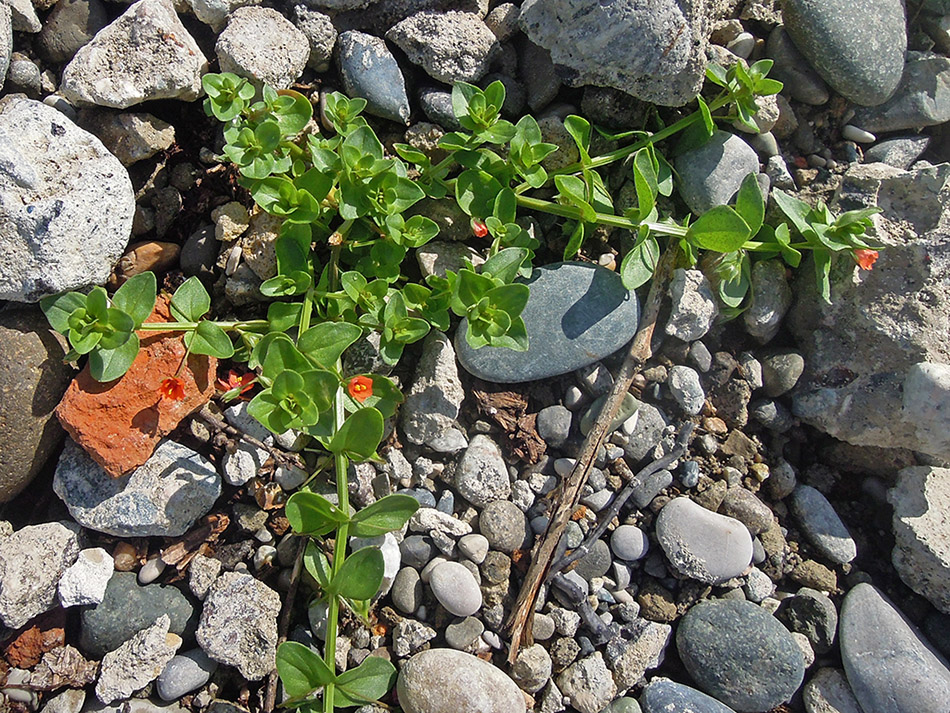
x: 343, y: 502
x: 624, y: 151
x: 616, y: 221
x: 250, y: 325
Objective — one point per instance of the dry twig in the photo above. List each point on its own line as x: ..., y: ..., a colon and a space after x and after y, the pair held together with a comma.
x: 521, y: 619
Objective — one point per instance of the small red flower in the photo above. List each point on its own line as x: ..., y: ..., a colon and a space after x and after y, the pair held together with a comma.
x: 479, y: 229
x: 172, y: 389
x: 865, y: 258
x: 360, y: 388
x: 236, y: 384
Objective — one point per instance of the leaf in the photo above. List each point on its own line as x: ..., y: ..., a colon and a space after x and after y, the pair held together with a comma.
x: 324, y: 343
x: 789, y: 254
x: 706, y: 115
x: 638, y: 265
x: 281, y: 316
x: 368, y: 682
x: 109, y: 364
x: 733, y: 291
x: 750, y: 204
x: 385, y: 397
x: 475, y: 192
x: 385, y: 515
x: 823, y: 273
x: 281, y: 355
x: 191, y: 301
x: 359, y: 436
x: 720, y: 229
x: 579, y: 129
x: 717, y: 75
x: 576, y: 241
x: 361, y: 574
x: 301, y: 670
x: 644, y: 179
x: 208, y: 338
x: 58, y: 308
x: 504, y: 265
x: 574, y: 190
x: 312, y: 514
x: 506, y: 206
x: 137, y: 297
x: 317, y: 565
x: 265, y: 407
x: 795, y: 210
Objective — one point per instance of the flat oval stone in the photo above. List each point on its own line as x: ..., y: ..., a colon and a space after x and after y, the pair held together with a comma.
x: 702, y: 544
x: 822, y: 525
x: 447, y: 681
x: 890, y: 666
x: 455, y: 588
x: 663, y: 695
x: 740, y: 654
x: 857, y: 46
x: 577, y: 314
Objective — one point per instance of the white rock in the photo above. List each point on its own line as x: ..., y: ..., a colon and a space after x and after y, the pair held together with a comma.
x: 482, y: 474
x: 32, y: 560
x: 215, y: 12
x: 436, y: 395
x: 694, y: 307
x: 261, y: 44
x: 429, y: 519
x: 145, y: 54
x: 56, y: 179
x: 456, y: 589
x: 86, y: 579
x: 137, y: 662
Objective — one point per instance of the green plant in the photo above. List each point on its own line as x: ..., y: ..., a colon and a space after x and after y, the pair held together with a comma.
x: 340, y: 255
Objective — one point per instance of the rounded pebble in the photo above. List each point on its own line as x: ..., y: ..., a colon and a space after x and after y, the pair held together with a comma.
x: 455, y: 588
x: 504, y: 526
x: 185, y: 673
x: 448, y: 681
x: 629, y: 542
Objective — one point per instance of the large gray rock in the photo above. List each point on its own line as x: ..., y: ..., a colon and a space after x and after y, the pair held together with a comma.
x: 66, y: 203
x: 890, y: 666
x: 588, y: 684
x: 922, y: 97
x: 127, y: 608
x: 145, y: 54
x: 33, y: 378
x: 261, y: 44
x: 652, y: 49
x: 448, y: 681
x: 577, y: 314
x: 370, y: 71
x: 436, y: 395
x: 740, y: 654
x: 31, y: 562
x: 238, y: 624
x: 711, y: 174
x: 856, y: 45
x: 6, y: 42
x: 163, y: 497
x: 921, y: 554
x: 70, y: 25
x: 449, y: 46
x: 861, y: 383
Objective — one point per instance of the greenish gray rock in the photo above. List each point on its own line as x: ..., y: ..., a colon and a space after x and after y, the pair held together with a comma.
x: 577, y: 314
x: 711, y: 174
x: 33, y: 378
x: 922, y: 97
x: 890, y: 666
x: 128, y: 608
x: 740, y: 654
x: 857, y: 46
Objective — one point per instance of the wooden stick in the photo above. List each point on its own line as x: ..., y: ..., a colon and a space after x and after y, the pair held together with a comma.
x: 522, y: 617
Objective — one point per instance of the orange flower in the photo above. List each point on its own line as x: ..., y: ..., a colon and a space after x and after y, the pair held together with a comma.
x: 479, y: 229
x: 360, y: 388
x: 172, y: 389
x: 236, y: 384
x: 865, y: 258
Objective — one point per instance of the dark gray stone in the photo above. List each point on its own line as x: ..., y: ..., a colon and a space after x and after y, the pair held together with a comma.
x: 922, y: 97
x: 542, y: 82
x: 199, y: 254
x: 185, y: 673
x: 740, y: 654
x: 437, y: 106
x: 712, y: 173
x: 801, y: 82
x: 554, y: 425
x: 821, y: 525
x: 407, y: 590
x: 33, y: 379
x: 664, y: 696
x: 577, y: 314
x: 900, y: 152
x: 504, y: 526
x: 69, y: 26
x: 781, y: 371
x: 890, y: 666
x: 813, y: 614
x: 595, y: 563
x: 416, y: 551
x: 464, y: 633
x: 857, y: 46
x: 370, y: 71
x: 129, y: 607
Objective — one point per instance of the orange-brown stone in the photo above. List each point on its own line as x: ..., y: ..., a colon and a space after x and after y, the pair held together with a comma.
x: 119, y: 423
x: 45, y: 633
